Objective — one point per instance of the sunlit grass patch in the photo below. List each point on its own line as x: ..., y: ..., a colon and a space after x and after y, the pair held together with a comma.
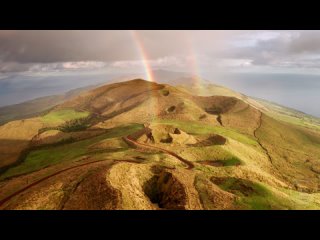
x: 61, y: 116
x: 233, y: 161
x: 251, y: 195
x: 210, y: 154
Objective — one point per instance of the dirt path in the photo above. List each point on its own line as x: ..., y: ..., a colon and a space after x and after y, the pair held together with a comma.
x: 128, y: 138
x: 258, y: 140
x: 3, y: 201
x: 188, y: 163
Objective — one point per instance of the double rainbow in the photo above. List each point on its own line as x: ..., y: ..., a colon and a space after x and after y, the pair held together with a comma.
x: 143, y: 55
x: 154, y: 101
x: 142, y: 52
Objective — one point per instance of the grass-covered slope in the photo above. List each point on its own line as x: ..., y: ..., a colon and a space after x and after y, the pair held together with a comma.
x: 239, y: 157
x: 36, y: 107
x: 64, y: 115
x: 67, y: 151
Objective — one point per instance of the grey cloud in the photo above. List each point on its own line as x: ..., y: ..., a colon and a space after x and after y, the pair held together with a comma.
x: 59, y: 46
x: 306, y: 42
x: 25, y: 50
x: 20, y: 49
x: 14, y: 67
x: 289, y: 49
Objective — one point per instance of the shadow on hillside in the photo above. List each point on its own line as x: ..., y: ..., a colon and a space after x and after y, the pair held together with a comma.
x: 216, y: 105
x: 12, y: 153
x: 59, y: 138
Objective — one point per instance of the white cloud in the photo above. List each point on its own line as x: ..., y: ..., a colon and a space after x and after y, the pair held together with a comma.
x: 168, y: 61
x: 83, y: 65
x: 235, y: 63
x: 67, y: 66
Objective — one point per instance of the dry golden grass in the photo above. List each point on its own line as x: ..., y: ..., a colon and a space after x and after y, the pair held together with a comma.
x: 279, y: 160
x: 15, y: 137
x: 293, y: 151
x: 129, y: 178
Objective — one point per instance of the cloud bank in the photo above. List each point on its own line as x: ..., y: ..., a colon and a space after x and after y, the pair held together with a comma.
x: 41, y: 51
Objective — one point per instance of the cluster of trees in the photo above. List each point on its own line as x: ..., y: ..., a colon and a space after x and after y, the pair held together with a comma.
x: 70, y: 126
x: 75, y: 125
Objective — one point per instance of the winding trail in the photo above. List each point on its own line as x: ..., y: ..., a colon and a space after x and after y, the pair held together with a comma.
x: 134, y: 142
x: 258, y: 140
x: 3, y: 201
x: 127, y: 138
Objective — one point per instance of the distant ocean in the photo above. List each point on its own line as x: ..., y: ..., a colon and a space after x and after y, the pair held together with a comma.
x: 298, y: 91
x: 301, y: 92
x: 17, y: 88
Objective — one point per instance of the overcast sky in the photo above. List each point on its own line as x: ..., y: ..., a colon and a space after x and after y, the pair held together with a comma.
x: 243, y: 51
x: 40, y: 63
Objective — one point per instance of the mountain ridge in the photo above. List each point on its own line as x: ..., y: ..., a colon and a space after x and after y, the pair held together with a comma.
x: 242, y: 158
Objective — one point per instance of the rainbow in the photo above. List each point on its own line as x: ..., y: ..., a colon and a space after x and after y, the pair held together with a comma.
x: 192, y: 65
x: 154, y: 103
x: 143, y: 55
x: 195, y: 69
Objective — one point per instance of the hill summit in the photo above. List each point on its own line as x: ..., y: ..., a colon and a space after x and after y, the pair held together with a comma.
x: 146, y: 145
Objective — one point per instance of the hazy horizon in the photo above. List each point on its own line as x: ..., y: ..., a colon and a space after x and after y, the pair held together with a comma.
x: 279, y: 66
x: 297, y: 91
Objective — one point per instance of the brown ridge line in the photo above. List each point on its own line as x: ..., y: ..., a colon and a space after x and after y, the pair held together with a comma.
x: 190, y: 164
x: 264, y: 148
x: 3, y: 201
x: 258, y: 140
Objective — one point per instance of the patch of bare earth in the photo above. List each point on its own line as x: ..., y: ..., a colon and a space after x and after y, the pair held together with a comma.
x: 214, y: 139
x: 173, y: 190
x: 93, y: 193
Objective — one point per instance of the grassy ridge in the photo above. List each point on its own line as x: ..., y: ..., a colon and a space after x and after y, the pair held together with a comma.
x: 252, y: 195
x: 202, y: 129
x: 289, y: 115
x: 210, y: 153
